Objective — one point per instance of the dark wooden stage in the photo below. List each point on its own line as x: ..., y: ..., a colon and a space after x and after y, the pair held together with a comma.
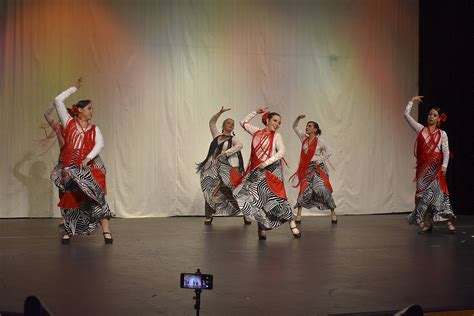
x: 364, y: 263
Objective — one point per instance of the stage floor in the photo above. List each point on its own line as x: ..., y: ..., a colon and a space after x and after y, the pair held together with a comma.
x: 364, y: 263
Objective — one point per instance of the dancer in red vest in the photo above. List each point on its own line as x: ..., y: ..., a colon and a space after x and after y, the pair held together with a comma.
x: 83, y: 203
x: 312, y: 174
x: 261, y: 194
x: 432, y: 156
x: 223, y: 163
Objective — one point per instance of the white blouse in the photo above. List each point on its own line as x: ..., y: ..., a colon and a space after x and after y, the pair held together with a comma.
x: 278, y: 150
x: 443, y: 144
x: 65, y: 118
x: 322, y: 153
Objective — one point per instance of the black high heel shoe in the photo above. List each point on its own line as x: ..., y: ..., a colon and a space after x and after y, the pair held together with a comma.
x: 425, y: 230
x: 65, y: 241
x: 261, y: 233
x: 247, y: 221
x: 108, y: 240
x: 296, y: 235
x: 451, y: 228
x: 333, y: 221
x: 208, y: 220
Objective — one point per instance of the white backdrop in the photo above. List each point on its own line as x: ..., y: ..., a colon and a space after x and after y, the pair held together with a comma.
x: 157, y: 70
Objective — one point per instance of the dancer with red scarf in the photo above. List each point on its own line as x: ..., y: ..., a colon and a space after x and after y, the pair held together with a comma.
x: 82, y: 203
x: 261, y: 194
x: 432, y: 156
x: 312, y: 174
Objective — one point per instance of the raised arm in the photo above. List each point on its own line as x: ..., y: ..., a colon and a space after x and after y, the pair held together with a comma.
x: 212, y: 122
x: 48, y: 117
x: 64, y: 116
x: 411, y: 121
x: 298, y: 132
x: 245, y: 123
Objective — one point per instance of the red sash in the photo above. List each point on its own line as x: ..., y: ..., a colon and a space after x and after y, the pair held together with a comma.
x: 427, y: 155
x: 305, y: 160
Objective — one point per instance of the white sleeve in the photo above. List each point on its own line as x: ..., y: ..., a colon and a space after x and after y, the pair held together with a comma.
x: 298, y: 132
x: 64, y: 116
x: 212, y: 125
x: 279, y: 148
x: 99, y: 144
x: 414, y: 124
x: 325, y: 150
x: 247, y: 126
x: 445, y: 148
x: 236, y: 146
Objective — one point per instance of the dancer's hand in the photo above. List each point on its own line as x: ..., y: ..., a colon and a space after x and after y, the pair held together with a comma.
x: 301, y: 116
x: 261, y: 110
x: 221, y: 155
x: 417, y: 99
x: 85, y: 162
x: 79, y: 82
x: 262, y: 165
x: 222, y: 110
x: 443, y: 170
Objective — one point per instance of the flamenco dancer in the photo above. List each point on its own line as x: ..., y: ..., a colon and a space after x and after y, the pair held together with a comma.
x: 261, y: 195
x: 219, y: 170
x: 432, y: 157
x: 312, y: 173
x: 83, y: 205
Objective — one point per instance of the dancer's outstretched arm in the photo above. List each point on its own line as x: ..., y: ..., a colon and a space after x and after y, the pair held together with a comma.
x: 299, y: 132
x: 414, y: 124
x: 64, y: 116
x: 212, y: 122
x: 245, y: 123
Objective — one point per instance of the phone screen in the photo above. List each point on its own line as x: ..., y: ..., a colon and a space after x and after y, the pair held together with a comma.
x: 196, y: 281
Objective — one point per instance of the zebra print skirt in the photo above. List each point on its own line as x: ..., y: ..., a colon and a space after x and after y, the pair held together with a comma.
x: 316, y: 194
x: 430, y: 198
x: 217, y: 188
x: 92, y: 204
x: 257, y: 200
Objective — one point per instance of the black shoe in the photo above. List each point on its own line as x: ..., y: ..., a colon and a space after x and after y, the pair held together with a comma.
x: 108, y: 240
x: 296, y: 235
x: 333, y: 221
x: 61, y: 226
x: 298, y: 219
x: 261, y: 232
x: 451, y: 228
x: 208, y: 220
x: 426, y: 230
x: 65, y: 241
x: 247, y: 221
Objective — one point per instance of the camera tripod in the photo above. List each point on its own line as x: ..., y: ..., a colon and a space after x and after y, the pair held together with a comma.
x: 197, y: 298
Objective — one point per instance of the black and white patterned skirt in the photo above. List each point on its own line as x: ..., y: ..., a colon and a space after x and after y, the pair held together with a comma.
x: 92, y: 206
x: 217, y: 187
x: 257, y: 200
x: 316, y: 193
